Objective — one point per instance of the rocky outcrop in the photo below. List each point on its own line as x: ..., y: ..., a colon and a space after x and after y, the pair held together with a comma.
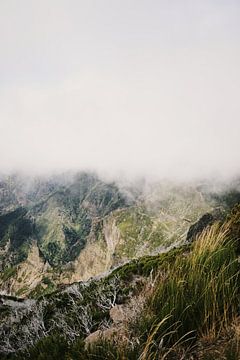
x: 27, y: 275
x: 206, y: 220
x: 98, y: 335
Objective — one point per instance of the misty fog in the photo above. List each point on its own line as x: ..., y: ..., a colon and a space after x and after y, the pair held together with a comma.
x: 126, y: 88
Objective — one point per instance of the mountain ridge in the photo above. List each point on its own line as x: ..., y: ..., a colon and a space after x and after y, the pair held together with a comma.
x: 82, y: 226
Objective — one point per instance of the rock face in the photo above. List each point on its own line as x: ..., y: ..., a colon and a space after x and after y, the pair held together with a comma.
x: 28, y: 274
x: 94, y: 337
x: 199, y: 226
x: 206, y: 220
x: 120, y: 315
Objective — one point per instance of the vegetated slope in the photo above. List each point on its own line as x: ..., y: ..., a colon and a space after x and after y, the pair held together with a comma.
x: 57, y: 225
x: 69, y: 228
x: 180, y: 304
x: 64, y: 228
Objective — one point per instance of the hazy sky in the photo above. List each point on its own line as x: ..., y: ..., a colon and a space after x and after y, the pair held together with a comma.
x: 141, y: 86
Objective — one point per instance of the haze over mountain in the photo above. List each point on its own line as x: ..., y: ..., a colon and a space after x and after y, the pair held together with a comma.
x: 88, y: 266
x: 133, y: 87
x: 119, y: 179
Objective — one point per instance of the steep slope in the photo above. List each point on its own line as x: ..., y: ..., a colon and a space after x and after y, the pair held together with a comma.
x: 81, y: 226
x: 180, y: 304
x: 60, y: 223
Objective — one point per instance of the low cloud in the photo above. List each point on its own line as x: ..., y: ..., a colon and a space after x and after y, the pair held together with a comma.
x: 164, y: 105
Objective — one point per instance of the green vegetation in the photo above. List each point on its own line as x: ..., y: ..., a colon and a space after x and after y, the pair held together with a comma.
x: 42, y: 289
x: 21, y: 291
x: 174, y: 303
x: 145, y: 265
x: 194, y: 296
x: 52, y: 347
x: 66, y: 218
x: 198, y: 297
x: 8, y: 273
x: 140, y: 232
x: 17, y: 228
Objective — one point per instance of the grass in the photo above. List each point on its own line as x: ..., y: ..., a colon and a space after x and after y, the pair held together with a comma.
x: 8, y: 273
x: 199, y: 296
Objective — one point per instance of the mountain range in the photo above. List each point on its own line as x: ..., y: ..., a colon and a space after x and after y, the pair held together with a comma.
x: 80, y: 247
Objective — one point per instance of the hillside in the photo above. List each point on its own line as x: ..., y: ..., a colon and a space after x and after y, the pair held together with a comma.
x: 180, y: 304
x: 92, y: 269
x: 72, y: 227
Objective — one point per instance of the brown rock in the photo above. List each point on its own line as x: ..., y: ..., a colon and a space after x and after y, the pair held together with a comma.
x: 107, y: 334
x: 117, y: 314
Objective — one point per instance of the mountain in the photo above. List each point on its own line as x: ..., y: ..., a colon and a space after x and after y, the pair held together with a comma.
x: 181, y: 304
x: 93, y: 269
x: 72, y: 227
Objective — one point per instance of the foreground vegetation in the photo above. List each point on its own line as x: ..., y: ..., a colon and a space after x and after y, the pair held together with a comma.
x: 179, y: 305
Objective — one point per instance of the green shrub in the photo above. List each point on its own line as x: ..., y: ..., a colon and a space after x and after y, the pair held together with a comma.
x: 53, y: 347
x: 8, y: 273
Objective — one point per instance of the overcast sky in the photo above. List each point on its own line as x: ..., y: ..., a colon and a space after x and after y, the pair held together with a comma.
x: 139, y: 86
